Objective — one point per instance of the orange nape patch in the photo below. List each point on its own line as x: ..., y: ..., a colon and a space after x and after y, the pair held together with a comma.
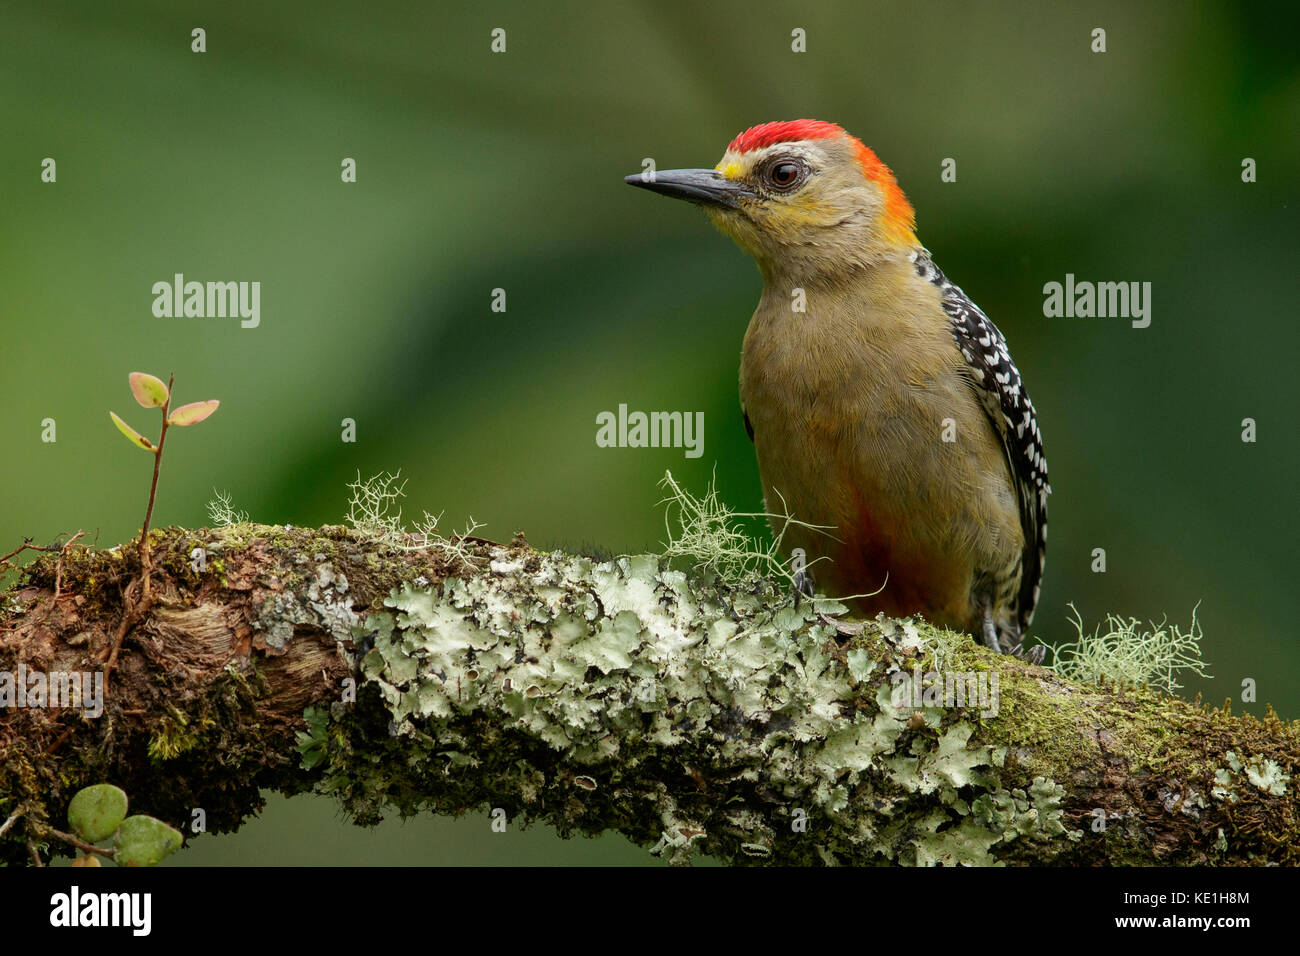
x: 899, y: 217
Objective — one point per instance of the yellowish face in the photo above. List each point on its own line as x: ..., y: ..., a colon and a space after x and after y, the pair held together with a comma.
x: 802, y: 205
x: 805, y: 200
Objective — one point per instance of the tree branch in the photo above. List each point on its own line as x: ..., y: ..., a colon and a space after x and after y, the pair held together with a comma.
x: 600, y: 696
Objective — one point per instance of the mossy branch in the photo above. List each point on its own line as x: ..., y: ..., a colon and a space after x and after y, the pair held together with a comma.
x: 592, y: 696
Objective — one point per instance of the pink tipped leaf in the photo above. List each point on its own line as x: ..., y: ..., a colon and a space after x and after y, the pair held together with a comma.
x: 133, y: 436
x: 193, y: 413
x: 149, y: 391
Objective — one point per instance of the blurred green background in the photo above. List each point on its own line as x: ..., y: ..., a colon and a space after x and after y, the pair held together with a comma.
x: 479, y: 171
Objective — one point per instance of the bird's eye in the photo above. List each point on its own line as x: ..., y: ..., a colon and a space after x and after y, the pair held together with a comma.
x: 785, y: 174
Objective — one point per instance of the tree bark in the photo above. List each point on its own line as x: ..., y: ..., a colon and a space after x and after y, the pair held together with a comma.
x: 603, y: 695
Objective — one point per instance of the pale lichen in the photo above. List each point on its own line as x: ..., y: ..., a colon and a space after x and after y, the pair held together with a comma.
x: 1260, y: 772
x: 712, y: 537
x: 324, y: 604
x: 629, y: 666
x: 1129, y: 653
x: 222, y: 512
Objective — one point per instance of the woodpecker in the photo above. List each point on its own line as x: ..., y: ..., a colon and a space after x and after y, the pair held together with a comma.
x: 882, y: 403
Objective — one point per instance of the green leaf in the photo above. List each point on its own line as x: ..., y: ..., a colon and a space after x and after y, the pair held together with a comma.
x: 96, y: 812
x: 145, y: 841
x: 134, y: 436
x: 149, y: 391
x: 312, y: 745
x: 193, y: 413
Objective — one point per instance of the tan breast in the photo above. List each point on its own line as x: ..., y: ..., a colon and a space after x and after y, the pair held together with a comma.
x: 851, y: 402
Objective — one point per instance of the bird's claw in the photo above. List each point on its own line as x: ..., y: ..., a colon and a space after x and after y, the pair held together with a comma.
x: 803, y: 585
x: 1033, y: 655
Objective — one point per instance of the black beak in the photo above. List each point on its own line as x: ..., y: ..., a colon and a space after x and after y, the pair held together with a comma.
x: 706, y: 187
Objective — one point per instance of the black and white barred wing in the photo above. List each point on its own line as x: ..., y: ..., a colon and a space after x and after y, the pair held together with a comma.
x: 1002, y: 393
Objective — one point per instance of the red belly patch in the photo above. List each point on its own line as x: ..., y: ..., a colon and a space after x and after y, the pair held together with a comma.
x: 879, y: 548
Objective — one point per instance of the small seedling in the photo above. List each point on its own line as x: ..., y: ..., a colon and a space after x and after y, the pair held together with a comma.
x: 150, y: 392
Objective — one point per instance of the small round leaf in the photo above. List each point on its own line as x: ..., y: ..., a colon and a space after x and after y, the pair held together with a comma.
x: 149, y: 391
x: 193, y: 413
x: 145, y: 841
x: 96, y: 812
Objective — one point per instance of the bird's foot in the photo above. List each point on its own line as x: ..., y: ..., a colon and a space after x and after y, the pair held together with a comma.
x: 1032, y: 655
x: 991, y: 633
x: 804, y: 586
